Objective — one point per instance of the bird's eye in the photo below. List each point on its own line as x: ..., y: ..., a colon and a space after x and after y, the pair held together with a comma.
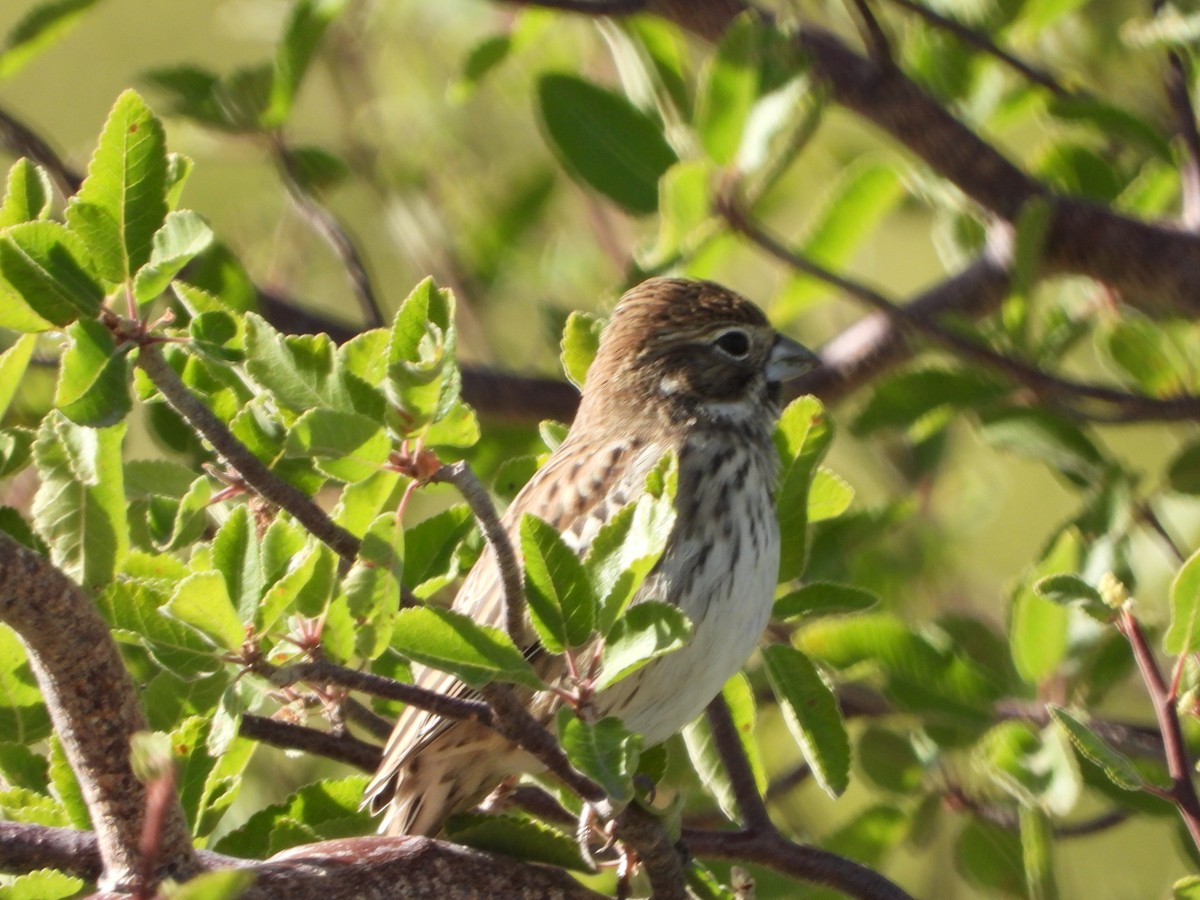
x: 734, y: 342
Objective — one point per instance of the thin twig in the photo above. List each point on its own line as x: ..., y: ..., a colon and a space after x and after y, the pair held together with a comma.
x: 795, y: 860
x: 980, y: 41
x: 329, y: 227
x: 322, y: 672
x: 21, y: 140
x: 1185, y: 116
x: 879, y: 48
x: 256, y: 474
x: 733, y: 756
x: 343, y: 748
x: 460, y: 475
x: 1179, y: 766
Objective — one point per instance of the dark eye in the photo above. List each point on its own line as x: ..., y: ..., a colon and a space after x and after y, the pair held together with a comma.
x: 735, y: 343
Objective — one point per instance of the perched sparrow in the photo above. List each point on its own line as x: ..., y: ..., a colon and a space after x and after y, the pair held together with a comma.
x: 686, y: 366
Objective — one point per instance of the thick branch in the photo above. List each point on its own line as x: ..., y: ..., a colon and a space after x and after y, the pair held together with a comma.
x: 366, y: 868
x: 93, y: 705
x: 733, y: 758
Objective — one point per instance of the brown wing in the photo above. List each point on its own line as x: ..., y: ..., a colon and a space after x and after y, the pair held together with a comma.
x: 577, y: 490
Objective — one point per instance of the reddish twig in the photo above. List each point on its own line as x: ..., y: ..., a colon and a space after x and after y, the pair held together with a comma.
x: 1179, y: 766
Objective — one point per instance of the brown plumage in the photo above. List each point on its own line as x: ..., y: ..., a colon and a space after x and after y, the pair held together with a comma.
x: 683, y: 366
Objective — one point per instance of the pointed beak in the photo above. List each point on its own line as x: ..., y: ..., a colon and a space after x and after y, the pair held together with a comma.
x: 789, y: 359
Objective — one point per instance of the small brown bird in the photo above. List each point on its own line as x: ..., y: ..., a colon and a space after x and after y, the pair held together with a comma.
x: 683, y: 366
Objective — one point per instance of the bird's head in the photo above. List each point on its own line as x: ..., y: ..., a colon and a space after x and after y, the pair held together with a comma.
x: 692, y: 349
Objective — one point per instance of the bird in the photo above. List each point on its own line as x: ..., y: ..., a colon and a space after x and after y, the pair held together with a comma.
x: 683, y: 366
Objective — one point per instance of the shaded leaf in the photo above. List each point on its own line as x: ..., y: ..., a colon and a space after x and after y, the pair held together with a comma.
x: 604, y: 140
x: 93, y: 380
x: 1116, y: 766
x: 28, y: 192
x: 811, y: 712
x: 562, y: 603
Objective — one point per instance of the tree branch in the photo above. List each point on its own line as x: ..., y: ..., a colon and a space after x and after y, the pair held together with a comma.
x: 93, y: 705
x: 256, y: 474
x: 343, y: 748
x: 1125, y: 406
x: 512, y: 576
x: 794, y: 860
x: 324, y: 672
x: 729, y: 747
x: 1162, y: 697
x: 326, y: 224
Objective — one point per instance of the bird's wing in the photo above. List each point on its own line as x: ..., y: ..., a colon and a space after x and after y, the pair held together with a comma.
x: 577, y: 490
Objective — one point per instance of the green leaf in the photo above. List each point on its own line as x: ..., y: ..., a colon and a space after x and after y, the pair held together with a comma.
x: 685, y: 204
x: 327, y: 807
x: 562, y: 603
x: 184, y: 235
x: 122, y: 202
x: 132, y: 610
x: 21, y: 767
x: 1146, y: 353
x: 37, y: 30
x: 13, y: 363
x: 221, y: 884
x: 305, y: 29
x: 1044, y: 436
x: 1033, y: 224
x: 79, y: 508
x: 1184, y: 634
x: 890, y: 761
x: 456, y: 643
x: 857, y: 203
x: 1116, y: 766
x: 44, y: 280
x: 431, y: 549
x: 344, y: 445
x: 605, y: 752
x: 645, y: 632
x: 605, y: 141
x: 811, y: 712
x: 301, y: 371
x: 1183, y: 473
x: 1186, y: 888
x: 1038, y: 630
x: 580, y: 340
x: 823, y: 598
x: 910, y: 397
x: 316, y: 169
x: 625, y: 550
x: 66, y: 786
x: 42, y: 884
x: 1068, y: 590
x: 23, y: 716
x: 423, y: 380
x: 28, y: 193
x: 519, y: 838
x: 802, y: 437
x: 706, y: 759
x: 237, y: 557
x: 93, y: 382
x: 829, y: 496
x: 729, y: 85
x: 201, y: 601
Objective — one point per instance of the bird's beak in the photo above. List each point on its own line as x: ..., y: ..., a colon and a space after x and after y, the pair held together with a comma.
x: 789, y: 359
